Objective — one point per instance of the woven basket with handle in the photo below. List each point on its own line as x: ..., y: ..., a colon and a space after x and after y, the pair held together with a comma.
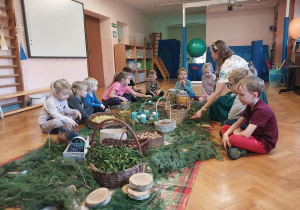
x: 177, y: 114
x: 107, y: 125
x: 112, y: 179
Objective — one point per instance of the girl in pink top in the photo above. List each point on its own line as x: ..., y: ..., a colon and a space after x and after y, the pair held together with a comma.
x: 114, y: 94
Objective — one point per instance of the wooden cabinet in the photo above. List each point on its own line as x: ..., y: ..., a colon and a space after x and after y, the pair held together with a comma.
x: 139, y: 59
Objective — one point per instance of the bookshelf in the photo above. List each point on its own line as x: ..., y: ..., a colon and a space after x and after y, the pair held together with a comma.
x: 131, y: 55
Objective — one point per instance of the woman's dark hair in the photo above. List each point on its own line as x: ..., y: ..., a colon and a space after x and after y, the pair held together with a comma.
x: 127, y: 70
x: 223, y: 50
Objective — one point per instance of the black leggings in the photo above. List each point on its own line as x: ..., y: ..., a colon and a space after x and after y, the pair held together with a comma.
x: 160, y: 94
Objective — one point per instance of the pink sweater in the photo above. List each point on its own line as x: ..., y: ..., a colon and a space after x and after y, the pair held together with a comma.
x: 118, y: 87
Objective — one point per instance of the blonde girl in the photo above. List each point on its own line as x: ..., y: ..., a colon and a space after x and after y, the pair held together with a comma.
x: 76, y: 101
x: 56, y: 112
x: 114, y: 94
x: 91, y: 98
x: 208, y: 81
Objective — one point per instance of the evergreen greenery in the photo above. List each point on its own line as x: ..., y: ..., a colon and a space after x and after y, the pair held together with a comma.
x: 47, y: 175
x: 47, y: 180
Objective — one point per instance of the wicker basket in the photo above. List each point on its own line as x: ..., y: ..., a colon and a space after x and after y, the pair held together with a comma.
x: 112, y: 179
x: 154, y: 143
x: 61, y: 136
x: 177, y: 114
x: 165, y: 127
x: 108, y: 125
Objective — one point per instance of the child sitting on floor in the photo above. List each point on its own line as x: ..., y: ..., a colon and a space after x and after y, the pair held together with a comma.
x: 261, y: 134
x: 76, y: 101
x: 114, y: 94
x: 237, y: 107
x: 56, y: 112
x: 132, y: 84
x: 208, y: 82
x: 91, y: 98
x: 183, y: 83
x: 152, y: 86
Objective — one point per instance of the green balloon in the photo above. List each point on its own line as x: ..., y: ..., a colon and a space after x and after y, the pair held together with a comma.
x: 196, y: 47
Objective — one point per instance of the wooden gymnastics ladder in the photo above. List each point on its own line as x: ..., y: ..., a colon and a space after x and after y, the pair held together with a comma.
x: 7, y: 19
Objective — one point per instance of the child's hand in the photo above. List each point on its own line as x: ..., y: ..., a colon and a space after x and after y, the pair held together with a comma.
x: 78, y: 114
x: 141, y: 89
x: 225, y: 141
x: 73, y: 123
x: 154, y: 94
x: 124, y: 99
x: 180, y: 84
x: 204, y: 96
x: 102, y: 106
x: 158, y: 92
x: 183, y: 82
x: 148, y: 96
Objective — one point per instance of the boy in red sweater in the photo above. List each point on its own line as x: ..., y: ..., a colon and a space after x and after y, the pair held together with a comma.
x: 261, y: 134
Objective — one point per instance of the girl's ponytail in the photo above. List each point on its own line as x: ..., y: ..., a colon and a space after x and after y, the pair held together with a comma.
x: 59, y: 85
x: 118, y: 77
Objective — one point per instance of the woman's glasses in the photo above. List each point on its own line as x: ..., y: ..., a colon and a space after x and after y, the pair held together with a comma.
x: 229, y: 85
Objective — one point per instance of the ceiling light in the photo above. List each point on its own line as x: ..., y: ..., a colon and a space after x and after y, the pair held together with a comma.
x: 170, y: 3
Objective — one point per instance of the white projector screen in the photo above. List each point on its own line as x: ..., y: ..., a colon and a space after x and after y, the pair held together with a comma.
x: 54, y: 28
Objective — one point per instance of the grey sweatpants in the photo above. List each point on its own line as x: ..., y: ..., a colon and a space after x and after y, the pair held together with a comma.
x: 55, y: 123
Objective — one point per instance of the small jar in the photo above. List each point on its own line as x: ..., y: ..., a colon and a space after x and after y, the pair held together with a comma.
x: 182, y: 98
x: 171, y: 96
x: 125, y: 114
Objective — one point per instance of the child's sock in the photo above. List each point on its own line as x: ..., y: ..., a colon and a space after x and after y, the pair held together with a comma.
x: 235, y: 153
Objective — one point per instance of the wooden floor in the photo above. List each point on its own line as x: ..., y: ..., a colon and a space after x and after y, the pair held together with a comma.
x: 253, y: 182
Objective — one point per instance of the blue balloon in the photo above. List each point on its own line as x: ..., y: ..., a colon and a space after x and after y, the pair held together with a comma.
x: 196, y: 47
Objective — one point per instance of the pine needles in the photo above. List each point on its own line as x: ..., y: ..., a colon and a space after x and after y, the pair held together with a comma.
x: 46, y: 181
x: 47, y: 175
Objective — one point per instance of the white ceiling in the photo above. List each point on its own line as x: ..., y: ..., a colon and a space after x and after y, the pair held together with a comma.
x: 171, y: 15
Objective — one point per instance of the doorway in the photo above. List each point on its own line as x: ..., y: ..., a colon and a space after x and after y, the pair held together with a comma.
x: 94, y: 49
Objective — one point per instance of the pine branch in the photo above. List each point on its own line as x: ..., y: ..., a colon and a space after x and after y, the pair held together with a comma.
x: 155, y: 194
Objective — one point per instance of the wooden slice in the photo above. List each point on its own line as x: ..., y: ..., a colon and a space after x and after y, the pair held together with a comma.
x: 98, y: 197
x: 125, y: 188
x: 138, y: 195
x: 141, y: 182
x: 205, y: 126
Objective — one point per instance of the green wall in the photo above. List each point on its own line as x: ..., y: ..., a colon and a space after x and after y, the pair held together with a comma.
x: 192, y: 31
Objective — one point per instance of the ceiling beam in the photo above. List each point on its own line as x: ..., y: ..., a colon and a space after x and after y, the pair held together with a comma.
x: 208, y: 3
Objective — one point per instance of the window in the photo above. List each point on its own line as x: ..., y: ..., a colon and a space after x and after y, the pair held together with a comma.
x: 201, y: 59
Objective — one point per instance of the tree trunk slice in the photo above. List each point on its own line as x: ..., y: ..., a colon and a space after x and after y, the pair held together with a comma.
x: 100, y: 196
x: 125, y: 188
x: 140, y: 182
x: 138, y: 195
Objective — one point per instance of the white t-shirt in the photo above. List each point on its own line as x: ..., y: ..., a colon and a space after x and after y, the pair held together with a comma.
x: 230, y: 64
x: 237, y: 109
